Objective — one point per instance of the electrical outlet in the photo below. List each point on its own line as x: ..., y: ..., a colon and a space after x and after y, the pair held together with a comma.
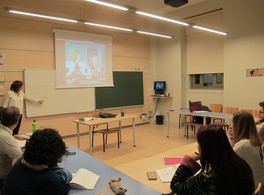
x: 143, y: 116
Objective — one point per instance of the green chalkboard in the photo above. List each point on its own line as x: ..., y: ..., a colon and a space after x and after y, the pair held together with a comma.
x: 127, y: 91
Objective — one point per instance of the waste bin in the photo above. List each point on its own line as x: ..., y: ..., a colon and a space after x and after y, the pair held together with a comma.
x: 159, y: 119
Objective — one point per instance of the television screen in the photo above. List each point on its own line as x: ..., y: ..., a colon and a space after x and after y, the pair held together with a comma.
x: 159, y: 85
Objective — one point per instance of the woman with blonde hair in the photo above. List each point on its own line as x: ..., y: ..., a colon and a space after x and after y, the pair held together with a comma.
x: 247, y: 143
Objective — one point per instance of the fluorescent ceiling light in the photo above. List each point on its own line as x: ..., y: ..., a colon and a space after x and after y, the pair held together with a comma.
x: 41, y: 16
x: 162, y: 18
x: 210, y: 30
x: 108, y: 4
x: 107, y: 26
x: 154, y: 34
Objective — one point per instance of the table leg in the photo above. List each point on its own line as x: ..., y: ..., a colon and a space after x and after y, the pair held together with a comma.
x: 120, y: 127
x: 78, y: 135
x: 168, y: 125
x: 134, y: 136
x: 212, y: 120
x: 185, y: 127
x: 90, y: 140
x: 204, y: 121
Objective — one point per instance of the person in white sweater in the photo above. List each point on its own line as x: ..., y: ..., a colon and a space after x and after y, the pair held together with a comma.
x: 247, y: 143
x: 16, y: 97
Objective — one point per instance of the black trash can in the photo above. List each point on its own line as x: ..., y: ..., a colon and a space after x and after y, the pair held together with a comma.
x: 159, y: 119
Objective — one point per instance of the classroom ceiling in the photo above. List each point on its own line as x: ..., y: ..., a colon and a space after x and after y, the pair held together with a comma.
x: 157, y: 6
x: 192, y: 9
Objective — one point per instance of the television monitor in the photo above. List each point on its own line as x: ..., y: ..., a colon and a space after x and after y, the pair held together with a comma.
x: 159, y: 87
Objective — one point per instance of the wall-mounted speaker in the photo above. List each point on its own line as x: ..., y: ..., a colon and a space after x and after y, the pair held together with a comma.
x: 175, y: 3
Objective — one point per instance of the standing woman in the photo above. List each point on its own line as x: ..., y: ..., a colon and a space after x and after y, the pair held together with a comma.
x: 15, y: 97
x: 247, y: 143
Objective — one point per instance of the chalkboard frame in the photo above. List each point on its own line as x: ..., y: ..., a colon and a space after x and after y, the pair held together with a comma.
x: 128, y: 90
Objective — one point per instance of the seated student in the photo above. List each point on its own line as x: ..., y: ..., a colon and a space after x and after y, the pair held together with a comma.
x: 223, y: 172
x: 9, y: 149
x: 261, y: 133
x: 247, y: 143
x: 16, y: 136
x: 37, y: 173
x: 260, y: 120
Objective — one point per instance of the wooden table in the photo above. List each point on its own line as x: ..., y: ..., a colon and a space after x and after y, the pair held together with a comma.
x: 138, y: 169
x: 99, y: 121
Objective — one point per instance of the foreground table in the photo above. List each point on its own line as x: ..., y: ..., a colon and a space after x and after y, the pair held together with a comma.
x: 138, y: 169
x: 84, y: 160
x: 99, y: 121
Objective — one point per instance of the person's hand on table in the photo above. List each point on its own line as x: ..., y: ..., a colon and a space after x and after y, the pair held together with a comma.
x: 195, y: 156
x: 21, y: 137
x: 259, y: 120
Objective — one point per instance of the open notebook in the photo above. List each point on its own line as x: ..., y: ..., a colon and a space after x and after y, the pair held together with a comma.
x: 84, y: 179
x: 166, y: 174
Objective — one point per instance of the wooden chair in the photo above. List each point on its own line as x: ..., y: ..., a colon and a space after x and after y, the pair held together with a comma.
x: 216, y: 107
x: 105, y: 131
x: 253, y: 112
x: 228, y: 110
x: 188, y: 117
x: 231, y: 110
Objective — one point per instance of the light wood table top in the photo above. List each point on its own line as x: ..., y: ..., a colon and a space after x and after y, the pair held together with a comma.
x: 98, y: 121
x: 138, y: 169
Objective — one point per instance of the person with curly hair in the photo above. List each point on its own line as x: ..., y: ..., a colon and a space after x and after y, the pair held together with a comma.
x: 37, y: 173
x: 223, y: 172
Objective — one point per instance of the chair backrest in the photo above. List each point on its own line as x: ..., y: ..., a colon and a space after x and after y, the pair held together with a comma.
x: 195, y: 106
x: 253, y: 112
x: 216, y: 107
x: 231, y: 110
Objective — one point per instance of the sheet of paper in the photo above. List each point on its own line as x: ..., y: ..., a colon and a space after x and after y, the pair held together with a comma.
x: 200, y: 111
x: 84, y: 179
x: 166, y: 174
x: 21, y: 143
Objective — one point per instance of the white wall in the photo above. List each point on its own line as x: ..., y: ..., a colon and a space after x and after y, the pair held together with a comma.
x: 166, y: 55
x: 243, y: 49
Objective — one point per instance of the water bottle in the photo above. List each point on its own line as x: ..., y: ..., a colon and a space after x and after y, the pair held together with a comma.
x: 34, y: 126
x: 122, y: 113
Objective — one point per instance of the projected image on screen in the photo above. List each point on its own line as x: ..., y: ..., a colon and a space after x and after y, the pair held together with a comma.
x: 83, y: 61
